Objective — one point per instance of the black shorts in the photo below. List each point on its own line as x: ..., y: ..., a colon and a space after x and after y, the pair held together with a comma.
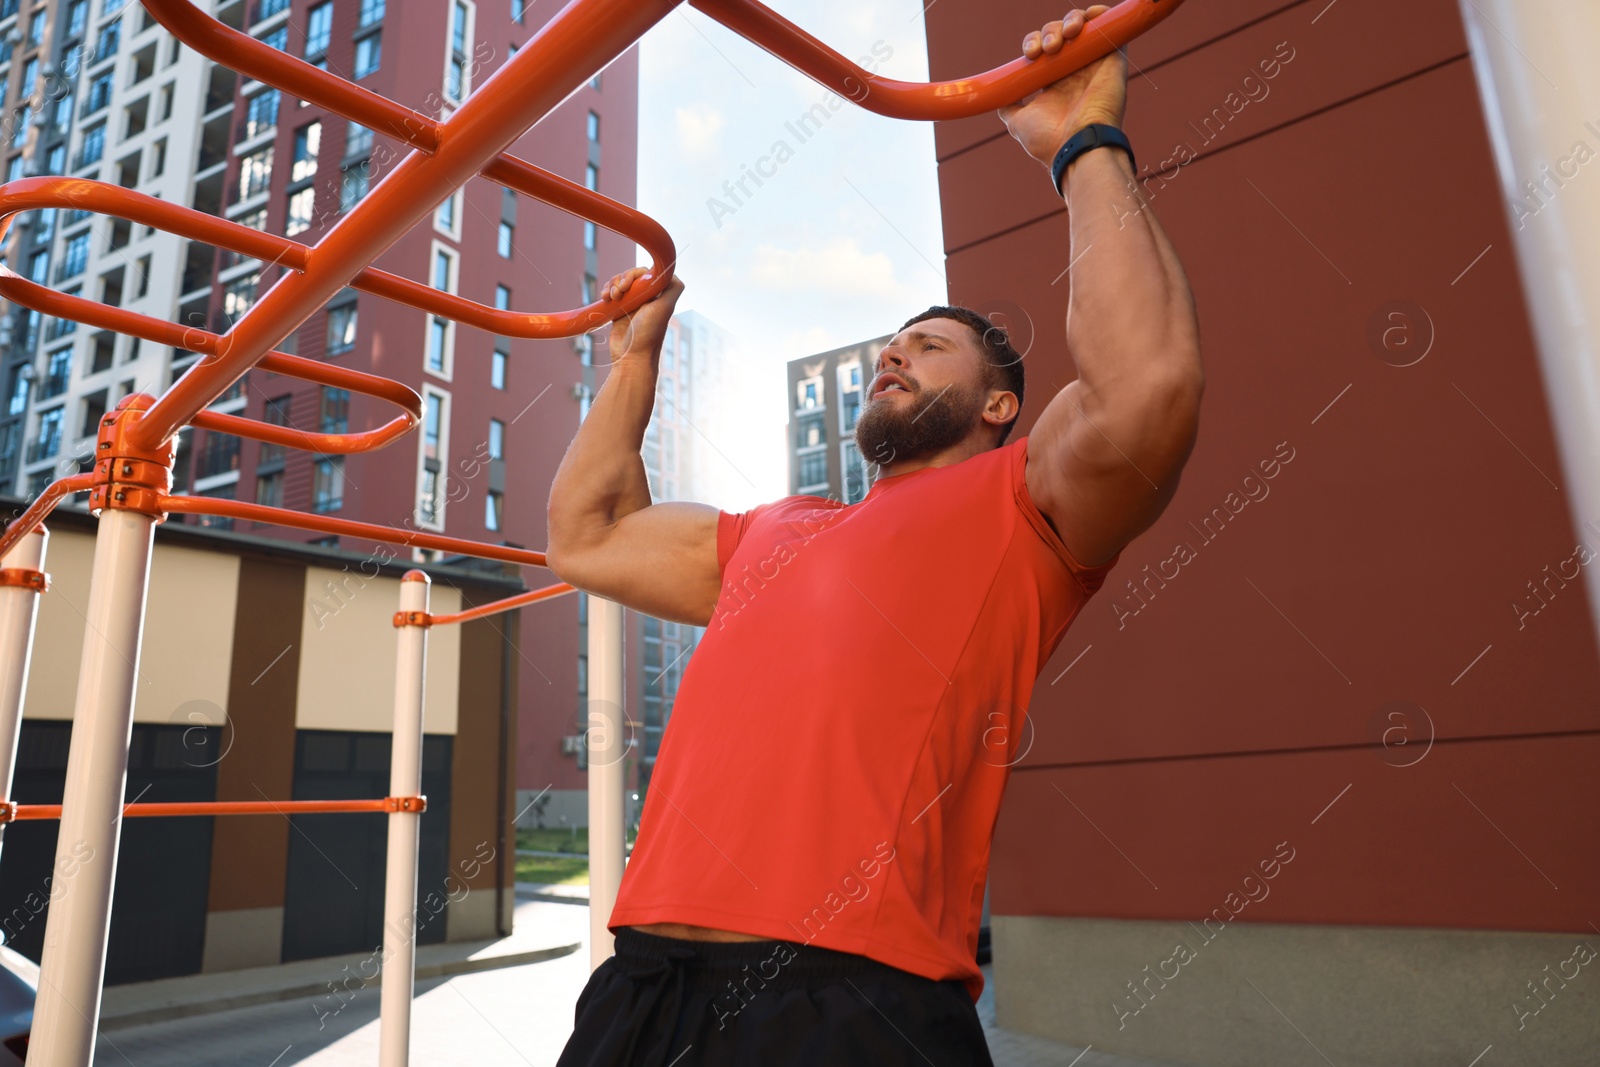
x: 668, y: 1002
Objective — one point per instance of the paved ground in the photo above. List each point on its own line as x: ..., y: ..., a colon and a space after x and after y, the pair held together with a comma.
x: 516, y: 1017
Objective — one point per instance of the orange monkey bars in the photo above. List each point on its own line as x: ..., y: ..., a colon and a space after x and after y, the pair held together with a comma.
x: 130, y: 487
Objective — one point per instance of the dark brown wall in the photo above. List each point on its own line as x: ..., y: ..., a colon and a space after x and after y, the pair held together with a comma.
x: 1219, y: 710
x: 248, y: 853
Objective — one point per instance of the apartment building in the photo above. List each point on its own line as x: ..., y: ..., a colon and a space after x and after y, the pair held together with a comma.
x: 96, y: 89
x: 93, y: 89
x: 826, y: 394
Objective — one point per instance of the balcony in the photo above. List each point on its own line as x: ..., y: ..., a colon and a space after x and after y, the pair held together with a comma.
x: 55, y: 383
x: 44, y: 446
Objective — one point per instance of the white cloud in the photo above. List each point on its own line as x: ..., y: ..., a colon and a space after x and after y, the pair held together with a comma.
x: 837, y: 266
x: 698, y: 128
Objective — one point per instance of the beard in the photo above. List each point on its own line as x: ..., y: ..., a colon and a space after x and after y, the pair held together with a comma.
x: 889, y: 433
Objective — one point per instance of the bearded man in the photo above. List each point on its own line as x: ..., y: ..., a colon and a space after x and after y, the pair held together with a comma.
x: 809, y: 873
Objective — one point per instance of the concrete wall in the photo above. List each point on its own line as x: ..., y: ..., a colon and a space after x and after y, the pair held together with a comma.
x: 1355, y: 635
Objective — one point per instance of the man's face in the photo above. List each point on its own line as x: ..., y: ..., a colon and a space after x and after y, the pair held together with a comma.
x: 926, y: 394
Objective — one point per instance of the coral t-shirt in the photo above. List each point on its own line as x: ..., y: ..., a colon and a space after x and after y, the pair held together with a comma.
x: 833, y: 767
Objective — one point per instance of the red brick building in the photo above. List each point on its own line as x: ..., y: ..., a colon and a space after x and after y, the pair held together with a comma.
x: 499, y: 412
x: 1345, y: 689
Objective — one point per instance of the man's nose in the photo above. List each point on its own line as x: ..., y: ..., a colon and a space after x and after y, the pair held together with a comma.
x: 888, y: 356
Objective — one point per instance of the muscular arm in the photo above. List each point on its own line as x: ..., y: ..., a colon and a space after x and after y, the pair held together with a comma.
x: 605, y: 536
x: 1105, y: 455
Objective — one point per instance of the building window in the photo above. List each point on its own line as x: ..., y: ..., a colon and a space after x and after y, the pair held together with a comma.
x: 591, y: 176
x: 301, y: 210
x: 334, y: 413
x: 849, y: 397
x: 448, y: 218
x: 239, y: 294
x: 497, y: 369
x: 439, y: 346
x: 456, y: 78
x: 443, y: 271
x: 518, y: 9
x: 494, y: 510
x: 352, y: 186
x: 255, y: 173
x: 341, y: 329
x: 269, y: 489
x: 371, y: 13
x: 811, y: 432
x: 307, y: 143
x: 327, y: 484
x: 590, y: 234
x: 260, y: 113
x: 809, y: 394
x: 497, y: 439
x: 855, y: 472
x: 813, y: 470
x: 93, y: 148
x: 594, y: 126
x: 275, y: 413
x: 319, y: 29
x: 430, y: 497
x: 502, y: 297
x: 357, y: 140
x: 503, y: 240
x: 369, y: 53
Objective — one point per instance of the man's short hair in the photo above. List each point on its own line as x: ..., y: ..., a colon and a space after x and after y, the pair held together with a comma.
x: 1002, y: 364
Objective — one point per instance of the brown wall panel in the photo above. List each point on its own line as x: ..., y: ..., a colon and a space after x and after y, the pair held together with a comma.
x: 985, y: 43
x: 249, y: 853
x: 1453, y: 840
x: 476, y: 774
x: 1366, y: 603
x: 1396, y: 540
x: 1203, y: 102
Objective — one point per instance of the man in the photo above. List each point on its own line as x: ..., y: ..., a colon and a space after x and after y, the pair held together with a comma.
x: 809, y: 875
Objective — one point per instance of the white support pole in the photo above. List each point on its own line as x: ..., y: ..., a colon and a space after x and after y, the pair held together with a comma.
x: 67, y: 1010
x: 1540, y: 84
x: 405, y: 780
x: 606, y: 741
x: 19, y: 610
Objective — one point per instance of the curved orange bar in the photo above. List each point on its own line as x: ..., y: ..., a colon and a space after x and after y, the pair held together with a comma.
x: 258, y: 60
x: 29, y: 812
x: 42, y: 506
x: 106, y: 199
x: 63, y: 305
x: 957, y: 99
x: 511, y: 603
x: 327, y: 444
x: 238, y: 509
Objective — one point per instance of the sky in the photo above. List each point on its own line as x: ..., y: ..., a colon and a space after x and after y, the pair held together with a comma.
x: 840, y: 244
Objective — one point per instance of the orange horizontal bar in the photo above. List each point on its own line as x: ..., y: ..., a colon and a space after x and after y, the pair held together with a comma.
x: 42, y: 506
x: 29, y: 812
x: 958, y: 99
x: 238, y: 509
x: 510, y: 603
x: 107, y: 199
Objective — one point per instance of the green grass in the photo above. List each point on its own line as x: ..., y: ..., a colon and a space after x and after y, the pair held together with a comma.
x: 552, y: 871
x: 558, y: 840
x: 557, y: 870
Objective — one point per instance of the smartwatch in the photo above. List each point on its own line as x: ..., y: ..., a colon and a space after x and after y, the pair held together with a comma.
x: 1095, y: 135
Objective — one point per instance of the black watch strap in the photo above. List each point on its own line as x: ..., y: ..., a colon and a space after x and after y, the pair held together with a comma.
x: 1095, y: 135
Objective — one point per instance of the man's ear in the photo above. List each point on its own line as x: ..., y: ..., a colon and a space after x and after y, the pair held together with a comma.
x: 1001, y: 408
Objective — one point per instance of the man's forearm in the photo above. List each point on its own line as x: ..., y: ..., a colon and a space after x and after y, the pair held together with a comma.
x: 1130, y: 316
x: 602, y: 476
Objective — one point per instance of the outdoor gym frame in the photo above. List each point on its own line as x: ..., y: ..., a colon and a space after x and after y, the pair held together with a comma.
x: 130, y: 489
